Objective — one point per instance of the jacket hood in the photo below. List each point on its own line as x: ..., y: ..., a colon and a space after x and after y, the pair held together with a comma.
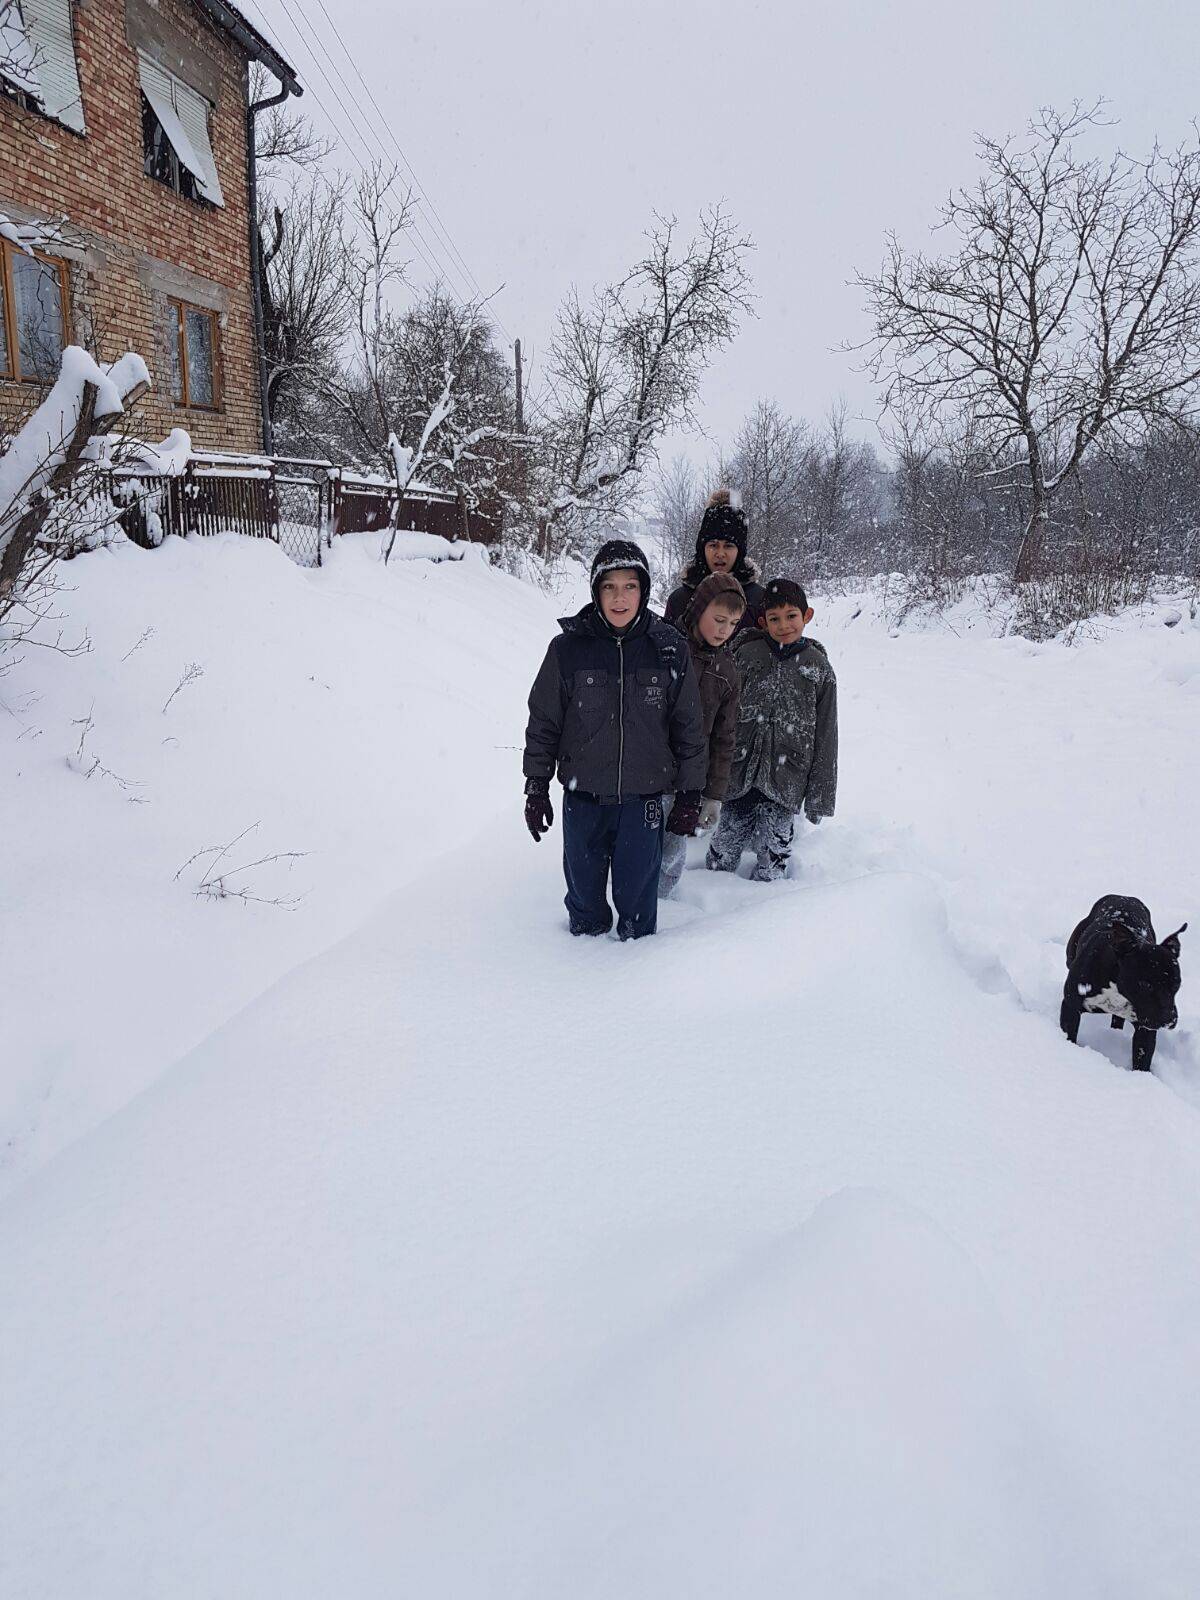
x: 591, y: 620
x: 717, y: 583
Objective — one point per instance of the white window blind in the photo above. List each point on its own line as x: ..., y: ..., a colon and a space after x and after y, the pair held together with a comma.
x: 48, y: 27
x: 18, y: 63
x: 184, y: 117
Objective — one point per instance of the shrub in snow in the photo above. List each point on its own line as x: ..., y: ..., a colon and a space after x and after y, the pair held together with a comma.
x: 51, y: 500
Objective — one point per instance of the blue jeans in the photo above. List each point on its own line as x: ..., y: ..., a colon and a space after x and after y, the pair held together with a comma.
x: 622, y: 839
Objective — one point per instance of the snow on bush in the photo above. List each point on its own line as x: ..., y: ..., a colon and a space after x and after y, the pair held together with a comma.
x: 48, y: 472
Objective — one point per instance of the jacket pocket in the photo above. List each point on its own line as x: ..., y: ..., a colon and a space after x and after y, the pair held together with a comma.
x: 652, y: 685
x: 589, y: 690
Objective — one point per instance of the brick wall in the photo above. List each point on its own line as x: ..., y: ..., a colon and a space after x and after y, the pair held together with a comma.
x: 131, y: 241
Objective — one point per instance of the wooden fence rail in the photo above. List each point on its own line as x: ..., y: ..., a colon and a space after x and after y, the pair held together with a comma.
x: 300, y: 505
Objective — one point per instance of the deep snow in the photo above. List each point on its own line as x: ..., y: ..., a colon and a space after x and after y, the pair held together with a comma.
x: 353, y: 721
x: 792, y: 1252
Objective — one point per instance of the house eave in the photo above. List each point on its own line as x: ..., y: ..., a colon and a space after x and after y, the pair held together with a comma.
x: 231, y: 21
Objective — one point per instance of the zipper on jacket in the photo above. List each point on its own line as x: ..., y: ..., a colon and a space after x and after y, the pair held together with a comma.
x: 621, y: 718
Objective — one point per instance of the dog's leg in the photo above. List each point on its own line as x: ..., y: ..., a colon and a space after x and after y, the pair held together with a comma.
x: 1117, y: 1022
x: 1068, y: 1018
x: 1144, y: 1040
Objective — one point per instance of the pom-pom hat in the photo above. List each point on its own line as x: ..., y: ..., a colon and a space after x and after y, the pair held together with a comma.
x: 722, y: 520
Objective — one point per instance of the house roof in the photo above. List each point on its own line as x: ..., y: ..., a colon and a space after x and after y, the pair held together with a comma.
x: 245, y: 27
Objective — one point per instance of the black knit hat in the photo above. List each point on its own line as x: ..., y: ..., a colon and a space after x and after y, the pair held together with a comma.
x: 722, y: 520
x: 783, y: 592
x: 615, y: 555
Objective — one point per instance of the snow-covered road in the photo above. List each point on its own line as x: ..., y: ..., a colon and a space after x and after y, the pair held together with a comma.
x: 792, y: 1252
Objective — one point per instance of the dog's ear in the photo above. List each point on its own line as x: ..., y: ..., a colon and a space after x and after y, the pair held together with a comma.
x: 1171, y: 942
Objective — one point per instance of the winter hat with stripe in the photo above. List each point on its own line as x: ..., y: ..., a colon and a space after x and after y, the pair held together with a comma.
x: 616, y: 555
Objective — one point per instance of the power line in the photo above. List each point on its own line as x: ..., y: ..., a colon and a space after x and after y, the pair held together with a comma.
x: 348, y: 122
x: 383, y: 123
x: 390, y: 132
x: 426, y: 242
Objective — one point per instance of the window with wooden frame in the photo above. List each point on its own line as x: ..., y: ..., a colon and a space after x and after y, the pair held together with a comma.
x: 194, y: 339
x: 33, y: 314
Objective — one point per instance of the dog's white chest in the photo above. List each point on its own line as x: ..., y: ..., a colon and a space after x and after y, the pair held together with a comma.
x: 1111, y: 1001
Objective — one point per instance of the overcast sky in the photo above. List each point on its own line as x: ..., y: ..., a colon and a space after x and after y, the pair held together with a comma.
x: 546, y: 135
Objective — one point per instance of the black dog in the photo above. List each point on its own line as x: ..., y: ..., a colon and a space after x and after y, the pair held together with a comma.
x: 1114, y: 965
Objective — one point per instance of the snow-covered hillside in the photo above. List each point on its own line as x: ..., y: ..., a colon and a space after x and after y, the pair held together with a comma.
x: 791, y: 1252
x: 360, y: 724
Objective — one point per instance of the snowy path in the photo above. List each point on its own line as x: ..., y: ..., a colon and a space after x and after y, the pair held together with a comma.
x: 792, y: 1252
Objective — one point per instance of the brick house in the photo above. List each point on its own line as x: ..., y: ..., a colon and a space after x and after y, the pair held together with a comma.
x: 126, y: 161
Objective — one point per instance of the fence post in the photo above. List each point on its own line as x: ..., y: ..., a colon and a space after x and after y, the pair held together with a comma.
x: 320, y: 522
x: 273, y: 516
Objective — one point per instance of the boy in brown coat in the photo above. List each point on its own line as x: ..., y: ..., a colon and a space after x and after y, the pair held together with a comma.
x: 709, y: 623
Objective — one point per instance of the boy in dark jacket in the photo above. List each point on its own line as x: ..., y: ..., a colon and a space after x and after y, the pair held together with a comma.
x: 785, y: 755
x: 708, y: 624
x: 616, y: 709
x: 720, y: 547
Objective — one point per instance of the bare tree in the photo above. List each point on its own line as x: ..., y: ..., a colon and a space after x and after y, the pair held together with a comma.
x: 420, y: 388
x: 306, y: 298
x: 1067, y: 311
x: 678, y: 500
x: 769, y: 462
x: 843, y: 497
x: 300, y: 258
x: 624, y: 366
x: 283, y: 138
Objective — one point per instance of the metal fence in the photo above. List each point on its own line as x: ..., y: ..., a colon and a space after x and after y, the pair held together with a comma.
x: 300, y: 505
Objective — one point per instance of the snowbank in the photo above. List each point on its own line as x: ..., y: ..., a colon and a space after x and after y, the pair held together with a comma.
x: 438, y: 1262
x: 351, y: 714
x: 792, y: 1252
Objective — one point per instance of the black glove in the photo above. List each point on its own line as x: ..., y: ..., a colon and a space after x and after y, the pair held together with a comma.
x: 539, y: 813
x: 685, y: 813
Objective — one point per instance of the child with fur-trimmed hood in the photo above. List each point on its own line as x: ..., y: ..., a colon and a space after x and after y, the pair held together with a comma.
x: 720, y: 547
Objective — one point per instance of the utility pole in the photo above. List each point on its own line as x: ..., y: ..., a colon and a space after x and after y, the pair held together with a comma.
x: 520, y: 391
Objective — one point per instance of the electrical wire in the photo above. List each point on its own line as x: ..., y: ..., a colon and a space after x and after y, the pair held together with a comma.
x: 426, y: 241
x: 339, y: 126
x: 387, y: 128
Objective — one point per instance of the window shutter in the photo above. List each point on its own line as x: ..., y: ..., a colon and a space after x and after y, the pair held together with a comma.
x: 48, y: 23
x: 184, y: 117
x: 193, y: 111
x: 18, y: 63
